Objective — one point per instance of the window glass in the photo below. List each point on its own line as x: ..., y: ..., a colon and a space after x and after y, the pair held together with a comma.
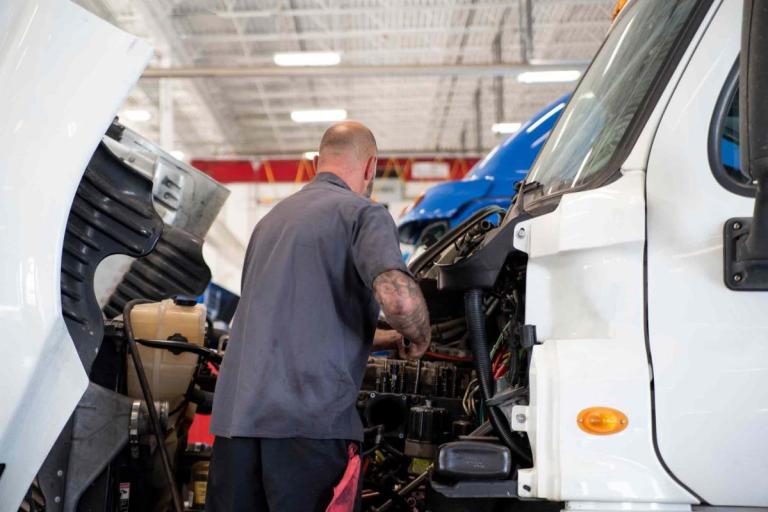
x: 610, y: 94
x: 729, y: 143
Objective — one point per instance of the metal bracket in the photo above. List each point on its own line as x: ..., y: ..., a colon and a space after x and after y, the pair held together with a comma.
x: 133, y: 429
x: 519, y: 420
x: 97, y: 431
x: 739, y: 273
x: 478, y: 489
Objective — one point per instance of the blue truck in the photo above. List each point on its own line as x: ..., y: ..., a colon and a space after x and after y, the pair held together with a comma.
x: 490, y: 182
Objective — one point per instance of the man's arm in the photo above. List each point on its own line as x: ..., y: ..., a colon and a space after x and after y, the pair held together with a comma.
x: 405, y: 310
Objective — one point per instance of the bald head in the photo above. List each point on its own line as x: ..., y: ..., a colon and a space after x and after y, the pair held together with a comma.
x: 348, y: 149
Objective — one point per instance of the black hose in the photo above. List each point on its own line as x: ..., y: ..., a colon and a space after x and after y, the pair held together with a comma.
x: 475, y: 314
x: 183, y: 346
x: 147, y: 392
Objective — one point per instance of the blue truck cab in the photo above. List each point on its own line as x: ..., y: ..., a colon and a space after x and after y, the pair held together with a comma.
x: 490, y: 182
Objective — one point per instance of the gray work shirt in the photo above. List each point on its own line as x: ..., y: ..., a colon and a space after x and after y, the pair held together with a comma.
x: 302, y: 332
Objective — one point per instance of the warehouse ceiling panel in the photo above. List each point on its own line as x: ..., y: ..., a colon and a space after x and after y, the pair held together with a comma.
x: 428, y: 76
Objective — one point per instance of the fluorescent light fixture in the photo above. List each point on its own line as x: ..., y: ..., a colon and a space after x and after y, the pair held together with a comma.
x: 505, y: 127
x: 539, y: 77
x: 307, y: 58
x: 177, y: 154
x: 309, y: 155
x: 319, y: 116
x: 137, y: 115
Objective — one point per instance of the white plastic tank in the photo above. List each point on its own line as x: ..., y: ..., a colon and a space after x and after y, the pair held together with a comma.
x: 168, y: 374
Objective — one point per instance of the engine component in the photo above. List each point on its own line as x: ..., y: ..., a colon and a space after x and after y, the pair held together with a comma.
x: 427, y: 427
x: 427, y: 378
x: 409, y: 409
x: 200, y: 482
x: 461, y: 428
x: 473, y: 460
x: 175, y: 267
x: 112, y: 214
x: 169, y: 374
x: 476, y: 323
x: 138, y: 425
x: 153, y: 412
x: 185, y: 197
x: 188, y: 201
x: 101, y: 426
x: 134, y: 199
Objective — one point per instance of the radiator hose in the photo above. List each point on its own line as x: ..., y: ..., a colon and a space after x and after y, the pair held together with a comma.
x: 475, y: 314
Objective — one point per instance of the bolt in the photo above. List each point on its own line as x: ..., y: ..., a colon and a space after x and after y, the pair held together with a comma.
x: 60, y: 473
x: 403, y: 398
x: 520, y: 418
x: 737, y: 278
x: 521, y: 233
x: 737, y: 225
x: 372, y: 395
x: 400, y: 435
x: 57, y: 499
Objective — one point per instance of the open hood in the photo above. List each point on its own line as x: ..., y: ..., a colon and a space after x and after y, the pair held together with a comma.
x: 63, y: 74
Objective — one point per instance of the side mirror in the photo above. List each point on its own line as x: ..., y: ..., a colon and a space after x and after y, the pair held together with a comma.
x: 745, y: 240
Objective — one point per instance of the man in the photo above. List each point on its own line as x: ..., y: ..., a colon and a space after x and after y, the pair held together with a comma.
x: 318, y: 269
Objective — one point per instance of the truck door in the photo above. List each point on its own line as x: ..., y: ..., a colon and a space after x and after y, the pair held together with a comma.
x: 708, y: 345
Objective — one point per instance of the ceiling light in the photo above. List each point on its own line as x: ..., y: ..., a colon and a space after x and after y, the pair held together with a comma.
x: 177, y: 154
x: 319, y: 116
x: 310, y: 155
x: 538, y: 77
x: 505, y: 127
x: 307, y: 58
x: 137, y: 115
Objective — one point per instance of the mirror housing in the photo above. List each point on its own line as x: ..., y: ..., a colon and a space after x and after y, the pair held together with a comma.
x: 746, y: 239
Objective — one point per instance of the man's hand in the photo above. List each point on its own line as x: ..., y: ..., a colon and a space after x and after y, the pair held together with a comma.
x: 386, y: 339
x: 405, y: 310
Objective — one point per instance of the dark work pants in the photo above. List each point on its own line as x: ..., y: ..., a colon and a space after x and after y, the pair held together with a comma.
x: 277, y: 475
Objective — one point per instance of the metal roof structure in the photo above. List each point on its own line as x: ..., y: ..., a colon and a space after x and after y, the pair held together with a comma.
x: 428, y: 76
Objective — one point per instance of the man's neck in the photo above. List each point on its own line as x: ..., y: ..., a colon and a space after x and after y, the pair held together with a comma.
x: 340, y: 176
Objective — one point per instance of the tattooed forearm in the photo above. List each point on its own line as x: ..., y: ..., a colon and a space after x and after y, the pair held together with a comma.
x: 405, y: 309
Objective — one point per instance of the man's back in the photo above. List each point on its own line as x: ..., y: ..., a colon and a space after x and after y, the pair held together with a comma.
x: 302, y: 331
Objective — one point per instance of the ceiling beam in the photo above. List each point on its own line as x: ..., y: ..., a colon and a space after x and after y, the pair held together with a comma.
x: 353, y: 10
x: 347, y: 71
x: 366, y: 33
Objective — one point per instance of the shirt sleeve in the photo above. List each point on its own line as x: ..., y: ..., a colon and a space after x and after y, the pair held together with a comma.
x: 375, y: 246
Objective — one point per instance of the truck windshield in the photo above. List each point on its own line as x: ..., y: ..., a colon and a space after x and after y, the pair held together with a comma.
x: 599, y: 114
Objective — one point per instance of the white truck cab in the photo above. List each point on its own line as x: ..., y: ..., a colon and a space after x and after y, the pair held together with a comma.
x: 648, y: 379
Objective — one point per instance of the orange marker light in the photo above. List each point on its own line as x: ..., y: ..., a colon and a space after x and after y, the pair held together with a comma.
x: 602, y: 421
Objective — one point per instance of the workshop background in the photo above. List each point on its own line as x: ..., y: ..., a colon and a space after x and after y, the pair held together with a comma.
x: 440, y: 83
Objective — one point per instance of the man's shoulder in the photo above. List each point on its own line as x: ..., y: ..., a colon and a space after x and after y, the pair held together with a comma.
x: 335, y: 198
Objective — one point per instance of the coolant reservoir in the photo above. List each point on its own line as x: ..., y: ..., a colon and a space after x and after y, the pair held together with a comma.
x: 168, y: 374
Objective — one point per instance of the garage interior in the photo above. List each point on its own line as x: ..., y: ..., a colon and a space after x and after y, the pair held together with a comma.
x: 529, y: 295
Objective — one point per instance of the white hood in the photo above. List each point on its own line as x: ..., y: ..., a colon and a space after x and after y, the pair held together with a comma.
x: 63, y: 74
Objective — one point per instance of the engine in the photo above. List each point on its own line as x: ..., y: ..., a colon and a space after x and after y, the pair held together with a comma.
x: 437, y: 431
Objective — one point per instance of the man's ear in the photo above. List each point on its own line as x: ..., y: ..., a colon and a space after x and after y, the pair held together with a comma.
x: 370, y: 168
x: 315, y: 159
